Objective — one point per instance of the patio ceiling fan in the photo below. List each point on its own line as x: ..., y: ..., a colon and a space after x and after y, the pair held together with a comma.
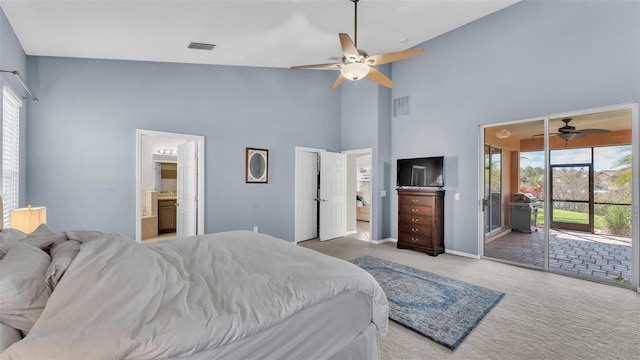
x: 356, y: 64
x: 568, y: 132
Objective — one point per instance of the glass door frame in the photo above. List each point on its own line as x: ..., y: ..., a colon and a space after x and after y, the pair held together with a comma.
x: 635, y: 198
x: 590, y: 201
x: 488, y: 201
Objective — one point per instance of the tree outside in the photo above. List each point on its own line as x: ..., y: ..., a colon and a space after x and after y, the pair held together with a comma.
x: 612, y: 187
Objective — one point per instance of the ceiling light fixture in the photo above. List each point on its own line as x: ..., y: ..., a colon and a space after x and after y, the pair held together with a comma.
x: 166, y: 152
x: 355, y: 71
x: 356, y: 64
x: 503, y: 134
x: 567, y: 136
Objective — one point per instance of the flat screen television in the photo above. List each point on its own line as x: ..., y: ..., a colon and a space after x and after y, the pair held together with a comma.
x: 421, y: 172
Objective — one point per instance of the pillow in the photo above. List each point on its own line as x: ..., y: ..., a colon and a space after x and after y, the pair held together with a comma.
x: 62, y: 255
x: 8, y: 236
x: 44, y: 236
x: 11, y: 235
x: 8, y: 336
x: 23, y: 293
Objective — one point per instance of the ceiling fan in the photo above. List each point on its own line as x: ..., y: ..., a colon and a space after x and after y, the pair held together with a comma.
x: 357, y: 64
x: 568, y: 132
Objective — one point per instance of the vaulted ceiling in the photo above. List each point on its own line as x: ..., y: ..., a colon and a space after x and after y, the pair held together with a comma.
x: 247, y: 33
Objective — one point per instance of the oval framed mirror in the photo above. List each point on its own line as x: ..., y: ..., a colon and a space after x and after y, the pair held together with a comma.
x: 256, y: 165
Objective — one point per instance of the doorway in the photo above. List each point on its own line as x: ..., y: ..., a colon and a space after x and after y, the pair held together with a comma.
x: 169, y: 185
x: 320, y: 194
x: 571, y: 188
x: 573, y: 173
x: 359, y: 193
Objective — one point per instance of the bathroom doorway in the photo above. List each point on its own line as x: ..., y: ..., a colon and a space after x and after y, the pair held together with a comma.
x: 169, y: 185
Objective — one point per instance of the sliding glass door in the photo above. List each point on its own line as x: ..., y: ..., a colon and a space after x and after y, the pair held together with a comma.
x: 561, y: 199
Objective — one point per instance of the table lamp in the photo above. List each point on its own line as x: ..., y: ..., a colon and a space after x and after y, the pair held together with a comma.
x: 29, y: 218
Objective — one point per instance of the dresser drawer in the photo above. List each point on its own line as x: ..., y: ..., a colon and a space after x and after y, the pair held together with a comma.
x: 415, y: 210
x: 416, y: 200
x: 419, y: 240
x: 415, y: 229
x: 414, y: 219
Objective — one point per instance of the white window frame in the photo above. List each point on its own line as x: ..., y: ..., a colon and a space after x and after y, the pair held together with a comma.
x: 11, y: 104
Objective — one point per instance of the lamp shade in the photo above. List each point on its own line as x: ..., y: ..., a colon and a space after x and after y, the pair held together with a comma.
x: 355, y: 71
x: 29, y: 218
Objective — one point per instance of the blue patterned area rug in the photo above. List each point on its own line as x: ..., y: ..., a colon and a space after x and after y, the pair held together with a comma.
x: 443, y: 309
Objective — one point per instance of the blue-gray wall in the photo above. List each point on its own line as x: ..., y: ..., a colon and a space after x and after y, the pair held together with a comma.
x: 528, y: 60
x: 365, y: 117
x: 12, y: 57
x: 531, y: 59
x: 81, y: 136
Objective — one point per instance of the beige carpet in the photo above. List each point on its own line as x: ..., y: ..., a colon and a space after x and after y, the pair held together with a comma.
x: 542, y: 316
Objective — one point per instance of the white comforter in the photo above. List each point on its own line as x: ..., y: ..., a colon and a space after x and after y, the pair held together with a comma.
x: 120, y: 299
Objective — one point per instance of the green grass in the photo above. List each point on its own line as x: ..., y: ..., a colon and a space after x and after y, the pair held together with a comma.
x: 571, y: 217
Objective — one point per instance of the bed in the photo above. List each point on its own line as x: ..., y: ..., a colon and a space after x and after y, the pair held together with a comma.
x: 230, y: 295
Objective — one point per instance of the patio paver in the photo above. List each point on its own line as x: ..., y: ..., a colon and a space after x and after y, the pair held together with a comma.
x: 607, y: 259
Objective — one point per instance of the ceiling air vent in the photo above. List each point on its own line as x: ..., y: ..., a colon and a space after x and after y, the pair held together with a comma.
x: 201, y: 46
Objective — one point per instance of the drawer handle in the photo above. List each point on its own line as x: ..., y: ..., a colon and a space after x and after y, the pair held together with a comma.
x: 414, y: 229
x: 415, y: 220
x: 414, y: 200
x: 414, y: 239
x: 414, y: 210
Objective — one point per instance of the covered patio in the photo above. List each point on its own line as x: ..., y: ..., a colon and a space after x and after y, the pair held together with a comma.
x: 602, y: 257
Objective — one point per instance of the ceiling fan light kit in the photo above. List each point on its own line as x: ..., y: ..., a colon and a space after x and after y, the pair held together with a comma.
x: 355, y: 71
x: 567, y: 136
x: 357, y: 64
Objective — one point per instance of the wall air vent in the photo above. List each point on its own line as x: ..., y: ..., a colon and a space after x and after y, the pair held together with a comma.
x: 401, y: 106
x: 201, y: 46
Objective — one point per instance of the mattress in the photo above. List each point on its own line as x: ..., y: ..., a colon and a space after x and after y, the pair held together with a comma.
x: 320, y: 332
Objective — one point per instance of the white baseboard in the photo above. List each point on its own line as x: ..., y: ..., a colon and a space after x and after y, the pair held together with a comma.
x: 378, y: 242
x: 463, y: 254
x: 351, y: 232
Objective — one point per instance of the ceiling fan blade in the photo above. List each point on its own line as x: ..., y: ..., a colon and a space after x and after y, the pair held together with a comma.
x: 348, y: 49
x: 550, y: 134
x: 393, y: 56
x: 338, y: 82
x: 317, y: 66
x: 593, y: 131
x: 380, y: 78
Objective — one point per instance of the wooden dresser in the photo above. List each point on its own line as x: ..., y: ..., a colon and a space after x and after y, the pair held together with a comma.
x: 421, y: 220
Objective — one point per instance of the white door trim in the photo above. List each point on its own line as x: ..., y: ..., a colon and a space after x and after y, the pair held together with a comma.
x: 199, y: 140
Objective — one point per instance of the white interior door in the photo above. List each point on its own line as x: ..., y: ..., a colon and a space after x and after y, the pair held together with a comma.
x: 333, y: 183
x: 306, y: 195
x: 186, y: 213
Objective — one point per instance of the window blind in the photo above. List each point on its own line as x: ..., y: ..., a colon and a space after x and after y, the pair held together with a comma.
x: 11, y: 105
